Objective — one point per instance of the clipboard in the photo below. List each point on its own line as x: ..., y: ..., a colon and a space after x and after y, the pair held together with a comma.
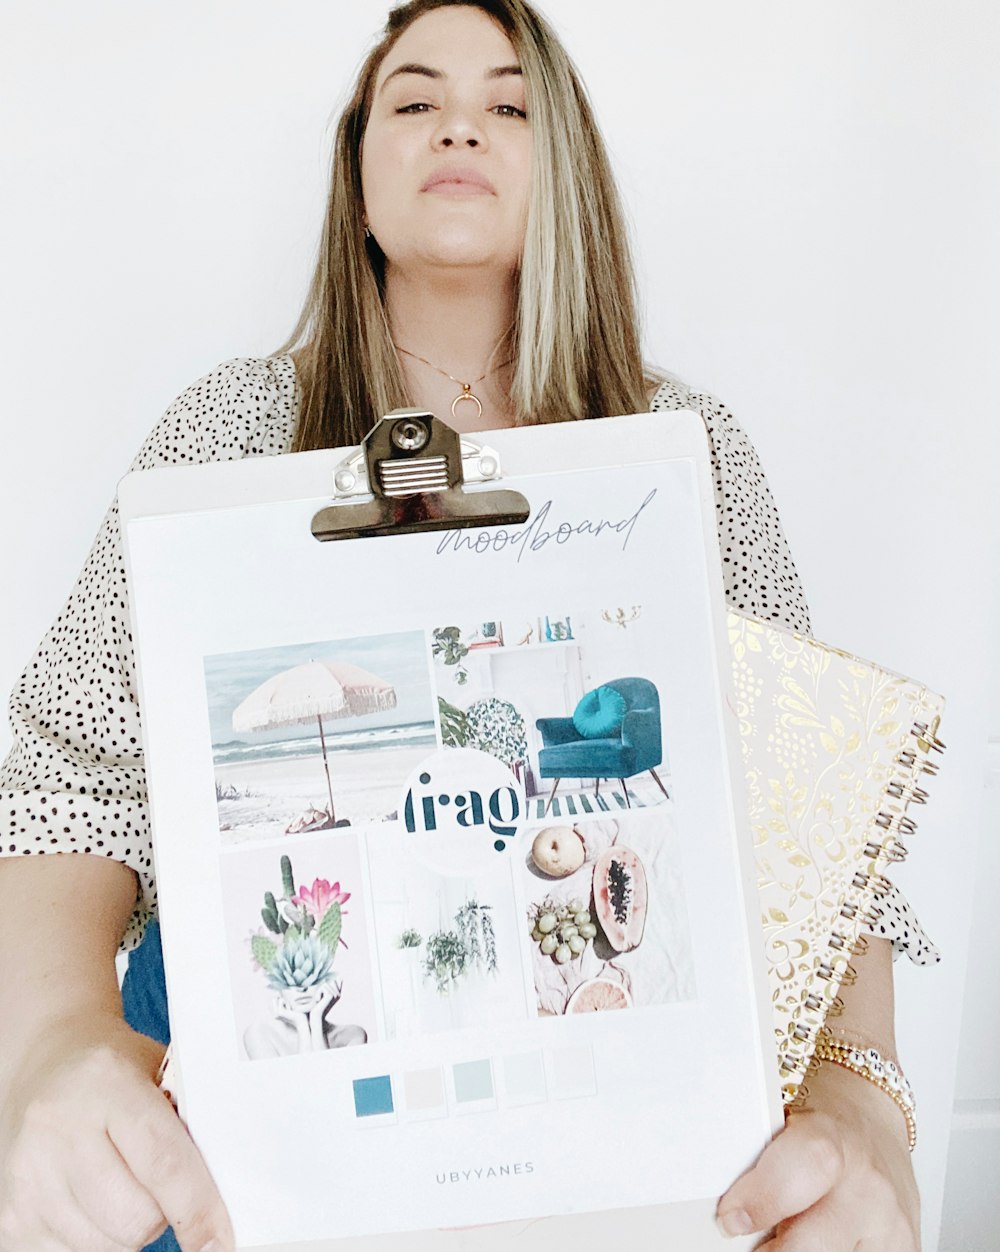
x: 494, y: 616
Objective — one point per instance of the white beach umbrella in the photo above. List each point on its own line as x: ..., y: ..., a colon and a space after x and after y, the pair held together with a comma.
x: 316, y: 689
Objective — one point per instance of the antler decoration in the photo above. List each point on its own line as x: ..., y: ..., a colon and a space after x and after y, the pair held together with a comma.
x: 619, y: 617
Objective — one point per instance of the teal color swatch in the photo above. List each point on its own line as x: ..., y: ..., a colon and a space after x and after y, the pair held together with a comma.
x: 372, y: 1096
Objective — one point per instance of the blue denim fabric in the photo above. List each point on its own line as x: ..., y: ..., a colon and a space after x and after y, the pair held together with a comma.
x: 144, y: 995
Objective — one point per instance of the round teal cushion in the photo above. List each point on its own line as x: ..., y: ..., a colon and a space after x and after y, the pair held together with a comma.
x: 600, y: 713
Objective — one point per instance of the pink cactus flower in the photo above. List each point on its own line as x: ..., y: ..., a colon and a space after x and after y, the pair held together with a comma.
x: 318, y: 898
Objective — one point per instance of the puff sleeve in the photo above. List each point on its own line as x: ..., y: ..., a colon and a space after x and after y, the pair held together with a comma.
x: 73, y: 780
x: 757, y: 569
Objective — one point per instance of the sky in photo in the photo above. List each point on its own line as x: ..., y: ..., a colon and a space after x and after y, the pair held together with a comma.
x: 399, y: 659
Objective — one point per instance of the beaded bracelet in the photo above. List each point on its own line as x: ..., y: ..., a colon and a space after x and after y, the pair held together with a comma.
x: 869, y: 1063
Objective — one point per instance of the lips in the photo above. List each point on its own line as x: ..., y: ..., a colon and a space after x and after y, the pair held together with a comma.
x: 459, y: 180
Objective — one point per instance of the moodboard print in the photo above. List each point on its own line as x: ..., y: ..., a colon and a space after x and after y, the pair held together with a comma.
x: 300, y: 962
x: 523, y: 688
x: 448, y: 948
x: 606, y: 914
x: 319, y: 735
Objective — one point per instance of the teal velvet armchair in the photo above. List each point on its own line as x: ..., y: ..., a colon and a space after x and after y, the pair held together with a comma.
x: 604, y: 749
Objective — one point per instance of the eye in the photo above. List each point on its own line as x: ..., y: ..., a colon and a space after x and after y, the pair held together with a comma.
x: 418, y: 106
x: 508, y: 110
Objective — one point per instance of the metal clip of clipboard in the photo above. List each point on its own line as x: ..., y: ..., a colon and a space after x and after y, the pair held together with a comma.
x: 410, y: 475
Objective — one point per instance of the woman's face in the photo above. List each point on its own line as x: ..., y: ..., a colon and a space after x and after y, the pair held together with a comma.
x: 446, y: 157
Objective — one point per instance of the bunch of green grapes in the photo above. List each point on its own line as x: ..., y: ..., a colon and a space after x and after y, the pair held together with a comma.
x: 561, y: 928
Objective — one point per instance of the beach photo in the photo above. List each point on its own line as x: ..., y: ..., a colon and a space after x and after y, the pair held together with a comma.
x: 562, y: 699
x: 300, y: 962
x: 316, y: 736
x: 606, y: 913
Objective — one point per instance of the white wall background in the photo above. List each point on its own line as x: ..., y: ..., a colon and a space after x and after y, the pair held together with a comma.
x: 815, y: 198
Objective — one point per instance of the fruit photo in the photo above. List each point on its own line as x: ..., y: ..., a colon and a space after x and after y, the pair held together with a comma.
x: 606, y: 914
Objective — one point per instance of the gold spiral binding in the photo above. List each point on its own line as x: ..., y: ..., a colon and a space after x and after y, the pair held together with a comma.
x: 816, y: 1003
x: 868, y: 917
x: 827, y: 970
x: 881, y: 886
x: 891, y: 850
x: 885, y: 845
x: 926, y: 737
x: 911, y: 794
x: 841, y: 943
x: 909, y: 760
x: 897, y: 822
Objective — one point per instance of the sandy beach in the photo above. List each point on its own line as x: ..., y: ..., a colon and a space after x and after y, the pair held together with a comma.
x: 367, y: 787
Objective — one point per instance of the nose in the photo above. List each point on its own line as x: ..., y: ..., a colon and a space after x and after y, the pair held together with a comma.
x: 459, y: 127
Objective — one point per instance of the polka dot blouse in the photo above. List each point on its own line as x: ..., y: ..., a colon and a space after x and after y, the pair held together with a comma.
x: 74, y: 780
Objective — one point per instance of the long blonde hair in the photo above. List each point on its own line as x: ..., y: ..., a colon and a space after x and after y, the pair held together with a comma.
x: 575, y: 342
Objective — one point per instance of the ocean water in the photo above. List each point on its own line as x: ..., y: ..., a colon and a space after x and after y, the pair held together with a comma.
x: 241, y: 752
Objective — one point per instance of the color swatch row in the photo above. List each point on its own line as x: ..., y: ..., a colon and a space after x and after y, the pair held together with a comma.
x: 478, y: 1085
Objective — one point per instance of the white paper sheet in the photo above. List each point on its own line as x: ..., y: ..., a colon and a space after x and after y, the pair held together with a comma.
x: 424, y: 1072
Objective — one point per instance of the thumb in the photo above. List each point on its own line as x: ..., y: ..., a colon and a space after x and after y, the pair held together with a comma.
x: 796, y: 1169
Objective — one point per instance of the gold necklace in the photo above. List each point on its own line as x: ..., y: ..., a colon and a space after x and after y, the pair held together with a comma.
x: 466, y: 393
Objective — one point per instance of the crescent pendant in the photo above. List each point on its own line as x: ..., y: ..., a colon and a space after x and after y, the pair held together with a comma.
x: 467, y: 394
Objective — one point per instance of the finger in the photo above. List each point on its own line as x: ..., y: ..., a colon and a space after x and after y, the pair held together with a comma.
x: 63, y: 1227
x: 902, y: 1239
x: 46, y: 1215
x: 796, y: 1169
x: 73, y: 1230
x: 829, y: 1226
x: 839, y: 1223
x: 114, y: 1201
x: 164, y: 1160
x: 43, y: 1241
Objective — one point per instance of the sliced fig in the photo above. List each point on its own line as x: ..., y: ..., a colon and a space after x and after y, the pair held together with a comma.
x: 620, y: 897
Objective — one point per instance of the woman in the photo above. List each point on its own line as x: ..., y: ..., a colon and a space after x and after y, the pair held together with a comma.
x: 473, y: 263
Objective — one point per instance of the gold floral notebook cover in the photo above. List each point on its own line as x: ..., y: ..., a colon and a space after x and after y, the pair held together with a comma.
x: 834, y: 748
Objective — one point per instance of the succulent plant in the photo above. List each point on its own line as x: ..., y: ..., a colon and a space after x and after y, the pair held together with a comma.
x: 264, y: 950
x: 329, y: 928
x: 303, y: 962
x: 272, y: 918
x: 287, y: 877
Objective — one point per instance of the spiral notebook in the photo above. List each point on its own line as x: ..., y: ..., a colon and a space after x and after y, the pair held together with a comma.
x: 835, y: 749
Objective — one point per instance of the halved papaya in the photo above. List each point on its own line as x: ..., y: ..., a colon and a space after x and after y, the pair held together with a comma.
x: 620, y: 897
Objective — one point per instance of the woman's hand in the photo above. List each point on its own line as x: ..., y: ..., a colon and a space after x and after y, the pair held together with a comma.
x: 838, y: 1177
x: 92, y: 1156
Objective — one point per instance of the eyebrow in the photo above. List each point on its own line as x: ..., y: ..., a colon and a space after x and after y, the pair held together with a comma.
x: 426, y: 71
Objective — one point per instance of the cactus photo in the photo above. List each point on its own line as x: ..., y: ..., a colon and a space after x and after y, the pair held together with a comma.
x: 301, y: 973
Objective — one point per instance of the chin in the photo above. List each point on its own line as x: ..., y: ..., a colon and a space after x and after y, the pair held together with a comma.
x: 470, y: 258
x: 460, y: 257
x: 454, y: 249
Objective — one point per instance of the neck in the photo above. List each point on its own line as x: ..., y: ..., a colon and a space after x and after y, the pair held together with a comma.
x: 454, y: 323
